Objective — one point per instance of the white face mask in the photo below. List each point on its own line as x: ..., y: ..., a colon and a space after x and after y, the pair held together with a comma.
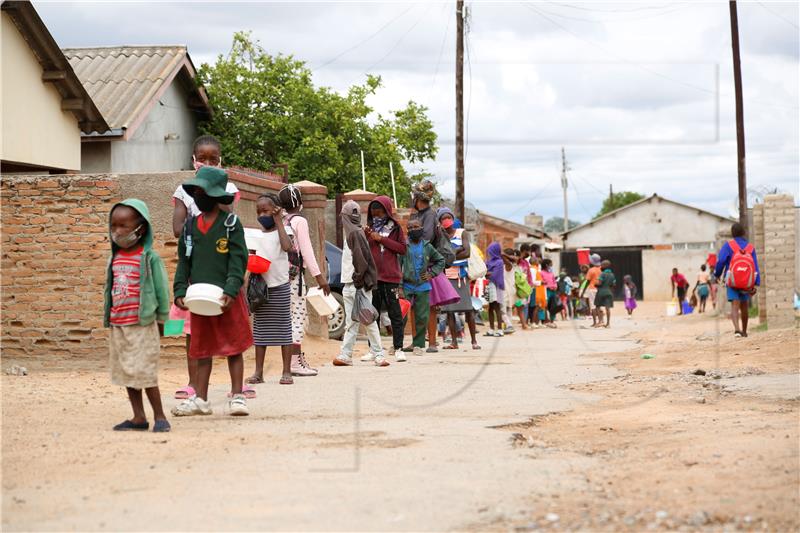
x: 126, y: 241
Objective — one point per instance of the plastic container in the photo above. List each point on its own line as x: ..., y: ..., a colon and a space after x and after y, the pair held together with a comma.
x: 405, y: 306
x: 323, y: 305
x: 173, y: 327
x: 712, y: 260
x: 672, y: 308
x: 583, y: 256
x: 257, y: 264
x: 204, y: 299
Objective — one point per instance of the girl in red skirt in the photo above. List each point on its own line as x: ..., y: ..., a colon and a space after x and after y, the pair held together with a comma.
x: 216, y: 254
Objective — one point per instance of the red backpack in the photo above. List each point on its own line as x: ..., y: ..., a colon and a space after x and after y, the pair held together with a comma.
x: 741, y: 269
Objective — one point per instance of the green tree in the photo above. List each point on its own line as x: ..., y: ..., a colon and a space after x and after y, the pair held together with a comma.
x: 556, y: 224
x: 266, y: 110
x: 617, y: 200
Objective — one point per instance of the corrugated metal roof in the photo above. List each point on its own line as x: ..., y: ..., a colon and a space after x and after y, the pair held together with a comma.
x: 122, y: 80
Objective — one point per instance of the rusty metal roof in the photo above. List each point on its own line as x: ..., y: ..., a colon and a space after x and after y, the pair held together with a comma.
x: 123, y: 80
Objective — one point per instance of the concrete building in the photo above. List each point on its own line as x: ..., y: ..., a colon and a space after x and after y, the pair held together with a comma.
x: 646, y: 239
x: 508, y: 233
x: 45, y: 107
x: 151, y: 102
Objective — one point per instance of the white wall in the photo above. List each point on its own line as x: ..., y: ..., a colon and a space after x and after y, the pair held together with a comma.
x: 35, y: 130
x: 146, y: 150
x: 650, y: 223
x: 657, y: 268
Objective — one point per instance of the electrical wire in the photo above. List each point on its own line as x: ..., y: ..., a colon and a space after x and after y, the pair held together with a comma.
x: 671, y: 9
x: 400, y: 40
x: 582, y: 8
x: 787, y: 21
x: 389, y: 23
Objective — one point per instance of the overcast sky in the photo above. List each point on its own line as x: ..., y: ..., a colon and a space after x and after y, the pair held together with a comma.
x: 639, y: 94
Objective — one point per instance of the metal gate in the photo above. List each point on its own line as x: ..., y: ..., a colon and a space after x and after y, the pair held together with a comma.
x: 623, y: 261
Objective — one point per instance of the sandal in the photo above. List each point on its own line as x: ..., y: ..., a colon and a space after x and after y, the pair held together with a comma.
x: 254, y: 380
x: 184, y: 393
x: 248, y: 392
x: 476, y: 346
x: 286, y: 380
x: 450, y: 347
x: 131, y: 426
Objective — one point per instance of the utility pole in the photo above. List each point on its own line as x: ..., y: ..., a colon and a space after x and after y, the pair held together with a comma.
x: 564, y: 188
x: 737, y: 82
x: 460, y: 111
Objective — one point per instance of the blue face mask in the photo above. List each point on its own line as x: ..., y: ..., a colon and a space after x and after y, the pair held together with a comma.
x: 267, y: 221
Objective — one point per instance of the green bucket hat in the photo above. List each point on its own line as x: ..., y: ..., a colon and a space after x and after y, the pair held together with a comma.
x: 213, y: 181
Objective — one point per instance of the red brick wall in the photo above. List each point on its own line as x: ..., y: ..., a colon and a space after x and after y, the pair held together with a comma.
x: 55, y: 249
x: 491, y: 232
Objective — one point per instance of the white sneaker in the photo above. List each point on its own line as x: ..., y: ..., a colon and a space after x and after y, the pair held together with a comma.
x: 499, y: 333
x: 400, y: 357
x: 368, y: 358
x: 237, y: 405
x: 380, y: 360
x: 192, y: 406
x: 300, y: 366
x: 418, y: 351
x: 343, y: 360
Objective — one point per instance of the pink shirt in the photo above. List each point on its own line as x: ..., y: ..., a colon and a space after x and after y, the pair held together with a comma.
x: 303, y: 238
x: 549, y: 280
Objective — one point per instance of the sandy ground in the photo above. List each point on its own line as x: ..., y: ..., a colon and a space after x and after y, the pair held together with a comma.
x: 458, y: 440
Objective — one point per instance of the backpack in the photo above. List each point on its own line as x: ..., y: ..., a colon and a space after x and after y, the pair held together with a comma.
x: 296, y: 267
x: 562, y: 285
x: 443, y: 246
x: 476, y: 268
x: 741, y: 273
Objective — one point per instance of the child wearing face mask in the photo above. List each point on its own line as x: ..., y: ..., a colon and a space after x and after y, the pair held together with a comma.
x: 205, y: 152
x: 213, y: 251
x: 272, y: 321
x: 136, y: 306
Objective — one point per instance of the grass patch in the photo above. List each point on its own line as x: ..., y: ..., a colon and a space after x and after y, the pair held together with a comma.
x: 761, y: 327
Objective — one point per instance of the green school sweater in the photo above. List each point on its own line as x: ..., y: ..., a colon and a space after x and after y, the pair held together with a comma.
x: 217, y: 257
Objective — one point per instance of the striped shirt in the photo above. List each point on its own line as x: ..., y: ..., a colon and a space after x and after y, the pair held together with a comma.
x: 125, y: 287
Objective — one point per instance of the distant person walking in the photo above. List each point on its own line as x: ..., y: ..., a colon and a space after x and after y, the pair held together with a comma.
x: 679, y: 285
x: 702, y: 287
x: 590, y: 289
x: 738, y: 262
x: 630, y: 293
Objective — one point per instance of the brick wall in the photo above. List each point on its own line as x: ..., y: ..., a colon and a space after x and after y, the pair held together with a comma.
x: 756, y: 220
x: 779, y: 259
x: 55, y: 248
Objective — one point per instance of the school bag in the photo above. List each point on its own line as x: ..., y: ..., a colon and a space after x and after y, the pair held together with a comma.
x: 521, y: 285
x: 741, y: 273
x: 476, y: 267
x: 444, y: 247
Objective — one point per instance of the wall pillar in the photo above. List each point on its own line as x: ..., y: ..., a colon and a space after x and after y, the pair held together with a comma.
x: 757, y: 221
x: 778, y: 259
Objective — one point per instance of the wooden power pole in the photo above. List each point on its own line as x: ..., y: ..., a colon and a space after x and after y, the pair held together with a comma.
x: 737, y: 82
x: 564, y: 188
x: 460, y: 111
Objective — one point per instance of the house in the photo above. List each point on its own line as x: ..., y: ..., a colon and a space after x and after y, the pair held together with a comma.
x: 151, y: 102
x: 508, y: 233
x: 646, y: 239
x: 45, y: 107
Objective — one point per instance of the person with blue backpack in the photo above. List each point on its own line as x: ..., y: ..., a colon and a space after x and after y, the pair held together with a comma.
x: 738, y: 262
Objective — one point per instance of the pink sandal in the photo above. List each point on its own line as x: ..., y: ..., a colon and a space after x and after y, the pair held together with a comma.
x: 249, y: 392
x: 184, y: 393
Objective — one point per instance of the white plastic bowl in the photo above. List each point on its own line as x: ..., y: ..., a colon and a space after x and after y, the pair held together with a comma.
x: 204, y: 299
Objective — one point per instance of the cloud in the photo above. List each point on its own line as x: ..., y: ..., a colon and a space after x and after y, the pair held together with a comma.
x: 630, y: 90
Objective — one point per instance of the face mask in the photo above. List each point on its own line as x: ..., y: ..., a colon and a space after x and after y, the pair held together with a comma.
x: 199, y: 164
x: 126, y: 241
x: 448, y: 223
x: 415, y: 235
x: 267, y: 221
x: 205, y: 203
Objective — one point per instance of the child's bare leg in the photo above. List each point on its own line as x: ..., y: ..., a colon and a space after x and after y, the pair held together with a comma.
x: 473, y: 331
x: 491, y: 316
x: 451, y: 325
x: 521, y: 316
x: 135, y: 396
x: 154, y: 397
x: 191, y: 364
x: 744, y: 311
x: 608, y: 316
x: 203, y: 376
x: 236, y: 370
x: 286, y: 355
x: 735, y: 315
x: 258, y: 375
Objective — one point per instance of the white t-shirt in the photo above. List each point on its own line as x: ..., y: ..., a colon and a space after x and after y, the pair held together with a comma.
x: 347, y: 264
x: 267, y: 244
x: 188, y: 201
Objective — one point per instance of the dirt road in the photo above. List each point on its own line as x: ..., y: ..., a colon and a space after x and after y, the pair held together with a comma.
x: 423, y: 445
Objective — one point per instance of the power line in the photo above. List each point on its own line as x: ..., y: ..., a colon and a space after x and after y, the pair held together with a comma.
x: 582, y: 8
x: 389, y: 23
x: 441, y: 49
x: 625, y: 19
x: 400, y: 40
x: 778, y: 15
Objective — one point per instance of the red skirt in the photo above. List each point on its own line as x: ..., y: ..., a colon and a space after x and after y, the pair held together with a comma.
x: 222, y: 335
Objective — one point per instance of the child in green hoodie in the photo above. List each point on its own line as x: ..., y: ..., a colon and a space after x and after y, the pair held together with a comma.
x: 136, y: 306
